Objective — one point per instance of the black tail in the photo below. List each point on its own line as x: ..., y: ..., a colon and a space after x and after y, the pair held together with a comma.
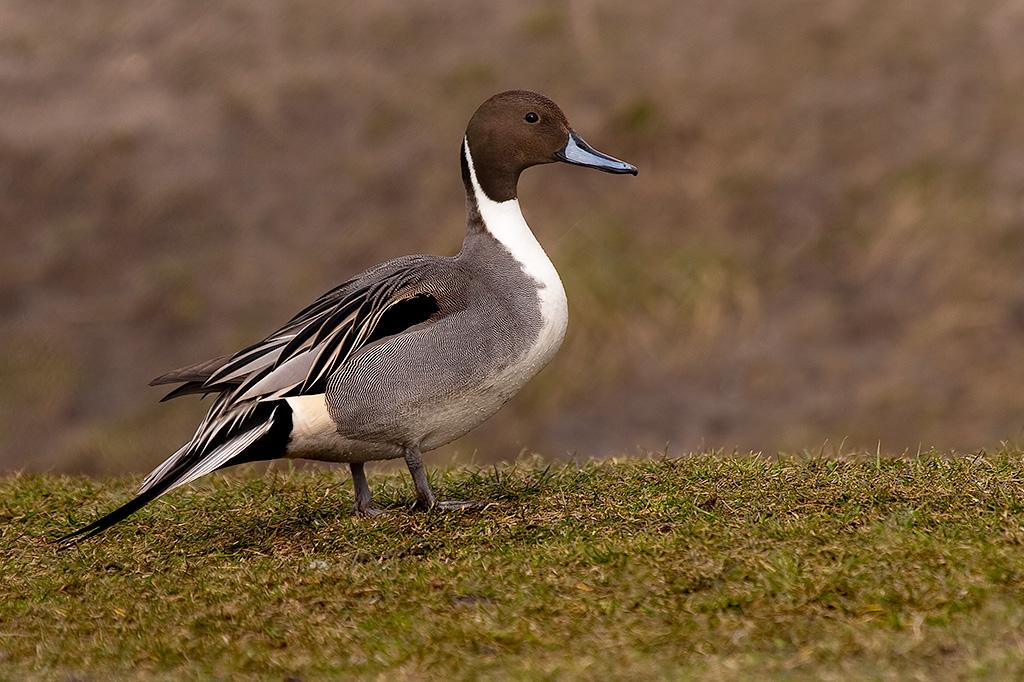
x: 119, y: 514
x: 269, y: 445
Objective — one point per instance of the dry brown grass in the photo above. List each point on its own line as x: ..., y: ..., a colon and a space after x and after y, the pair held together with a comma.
x: 824, y: 241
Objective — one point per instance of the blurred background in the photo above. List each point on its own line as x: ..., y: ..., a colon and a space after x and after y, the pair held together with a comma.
x: 824, y: 244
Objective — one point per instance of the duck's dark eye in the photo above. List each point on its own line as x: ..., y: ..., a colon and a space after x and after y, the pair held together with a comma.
x: 531, y: 117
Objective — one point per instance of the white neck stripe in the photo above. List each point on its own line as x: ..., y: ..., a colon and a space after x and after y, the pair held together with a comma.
x: 504, y: 221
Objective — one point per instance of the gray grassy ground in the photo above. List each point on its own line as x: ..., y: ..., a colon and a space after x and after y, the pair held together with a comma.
x: 705, y: 566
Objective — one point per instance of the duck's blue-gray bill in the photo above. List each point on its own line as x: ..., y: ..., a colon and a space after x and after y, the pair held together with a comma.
x: 578, y: 152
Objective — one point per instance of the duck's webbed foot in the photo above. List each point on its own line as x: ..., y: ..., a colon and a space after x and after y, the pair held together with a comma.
x: 425, y: 498
x: 364, y: 499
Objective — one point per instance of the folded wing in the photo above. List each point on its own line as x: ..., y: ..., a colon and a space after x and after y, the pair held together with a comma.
x: 299, y: 357
x: 249, y: 419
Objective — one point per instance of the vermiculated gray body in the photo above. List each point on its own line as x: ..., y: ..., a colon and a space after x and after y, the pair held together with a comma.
x: 433, y: 383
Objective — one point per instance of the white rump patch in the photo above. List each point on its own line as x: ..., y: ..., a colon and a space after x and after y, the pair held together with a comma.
x: 310, y: 416
x: 313, y: 430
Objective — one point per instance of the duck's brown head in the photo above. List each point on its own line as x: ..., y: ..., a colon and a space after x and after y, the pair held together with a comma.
x: 517, y: 129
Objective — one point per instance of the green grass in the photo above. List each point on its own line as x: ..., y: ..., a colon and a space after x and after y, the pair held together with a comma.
x: 705, y: 566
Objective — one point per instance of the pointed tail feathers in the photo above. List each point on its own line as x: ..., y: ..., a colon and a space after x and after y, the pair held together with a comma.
x: 161, y: 471
x: 261, y: 431
x: 200, y: 371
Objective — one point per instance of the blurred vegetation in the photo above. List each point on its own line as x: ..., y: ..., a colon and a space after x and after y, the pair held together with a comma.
x: 825, y: 239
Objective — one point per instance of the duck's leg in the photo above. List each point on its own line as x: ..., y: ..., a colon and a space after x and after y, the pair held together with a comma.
x: 425, y: 498
x: 364, y: 499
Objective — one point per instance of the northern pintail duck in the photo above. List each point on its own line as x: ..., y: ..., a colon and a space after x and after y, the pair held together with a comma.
x: 408, y: 355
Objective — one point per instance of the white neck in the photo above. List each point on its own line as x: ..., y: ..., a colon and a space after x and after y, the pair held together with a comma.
x: 504, y: 221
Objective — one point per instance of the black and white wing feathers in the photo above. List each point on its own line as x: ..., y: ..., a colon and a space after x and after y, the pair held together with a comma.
x: 319, y: 339
x: 249, y: 420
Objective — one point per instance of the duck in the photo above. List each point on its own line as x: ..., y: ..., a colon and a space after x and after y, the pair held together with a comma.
x: 407, y: 355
